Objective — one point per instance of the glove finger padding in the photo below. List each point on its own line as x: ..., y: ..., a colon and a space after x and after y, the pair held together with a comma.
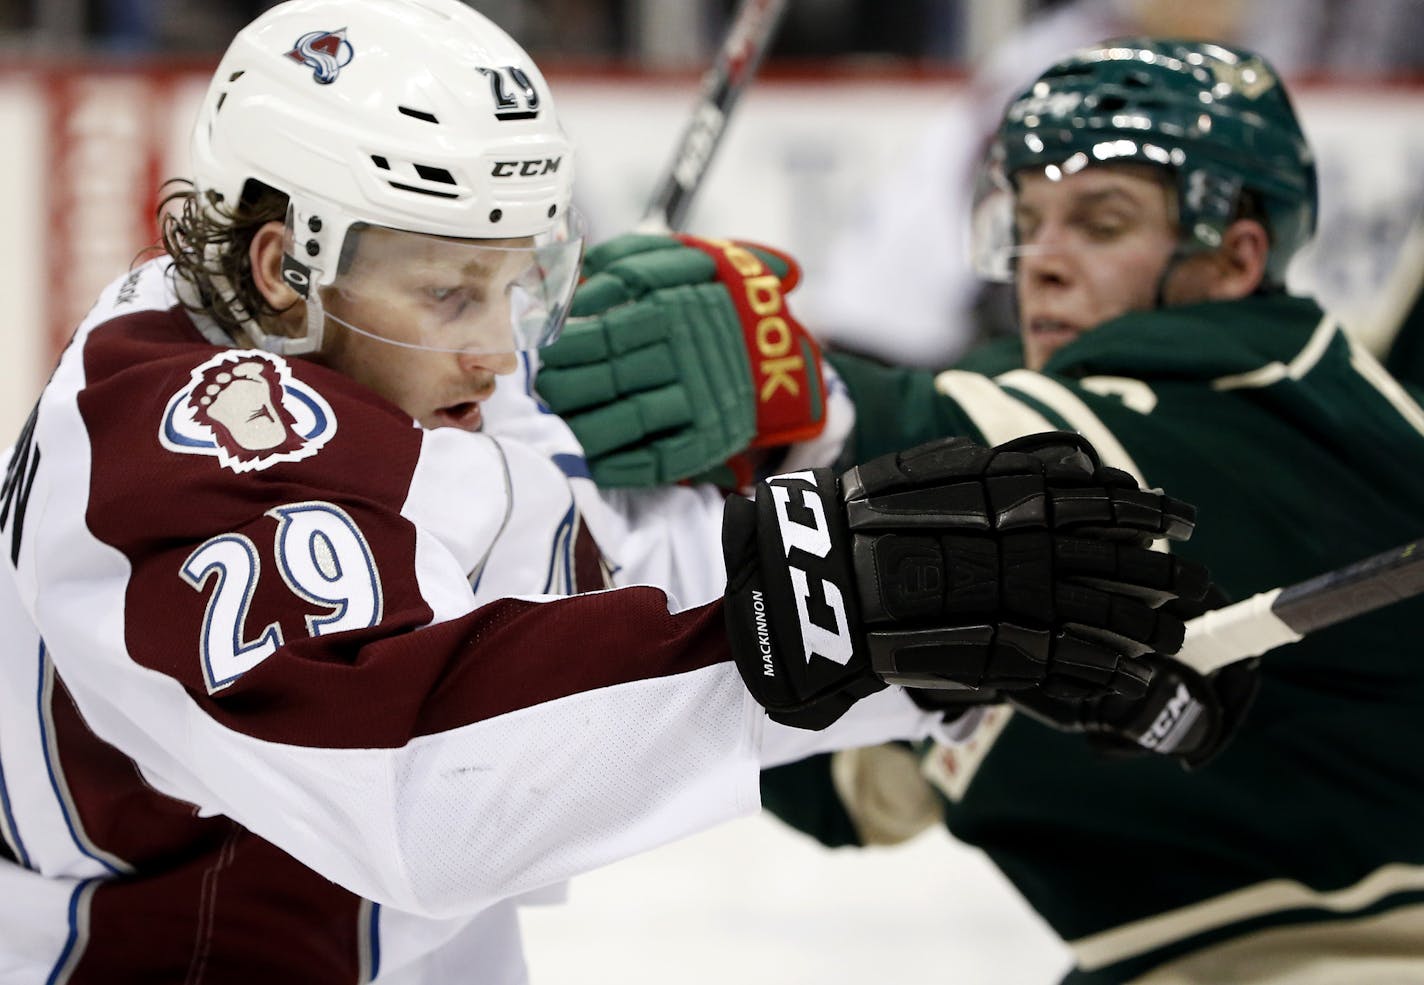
x: 1052, y: 480
x: 651, y: 390
x: 1024, y: 574
x: 678, y: 356
x: 977, y: 567
x: 649, y: 371
x: 952, y: 566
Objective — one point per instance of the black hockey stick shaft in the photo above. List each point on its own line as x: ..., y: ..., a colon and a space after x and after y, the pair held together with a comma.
x: 1286, y: 615
x: 746, y: 42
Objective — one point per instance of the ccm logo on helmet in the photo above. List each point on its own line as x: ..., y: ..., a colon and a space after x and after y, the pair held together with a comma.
x: 526, y: 169
x: 806, y: 539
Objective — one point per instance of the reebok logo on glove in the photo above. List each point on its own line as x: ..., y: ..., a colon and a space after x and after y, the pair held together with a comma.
x: 806, y: 538
x: 772, y: 334
x: 785, y: 365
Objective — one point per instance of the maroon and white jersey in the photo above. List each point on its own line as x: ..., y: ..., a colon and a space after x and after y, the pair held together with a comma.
x: 294, y: 690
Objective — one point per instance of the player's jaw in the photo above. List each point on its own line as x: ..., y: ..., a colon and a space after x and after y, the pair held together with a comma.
x: 1063, y: 297
x: 1059, y: 301
x: 1044, y: 334
x: 1055, y: 312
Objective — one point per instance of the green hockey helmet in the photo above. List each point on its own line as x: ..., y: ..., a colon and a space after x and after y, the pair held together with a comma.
x: 1216, y: 117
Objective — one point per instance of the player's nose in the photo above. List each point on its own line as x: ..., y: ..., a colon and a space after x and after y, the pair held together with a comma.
x: 498, y: 363
x: 1045, y: 261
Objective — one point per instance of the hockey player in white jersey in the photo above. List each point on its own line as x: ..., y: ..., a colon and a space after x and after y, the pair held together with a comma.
x: 296, y: 682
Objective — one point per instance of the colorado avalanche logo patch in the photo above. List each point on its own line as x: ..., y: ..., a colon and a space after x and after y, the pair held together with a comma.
x: 326, y: 53
x: 245, y: 409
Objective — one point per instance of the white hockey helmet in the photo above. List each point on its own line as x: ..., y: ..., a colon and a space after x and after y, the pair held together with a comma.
x: 419, y: 116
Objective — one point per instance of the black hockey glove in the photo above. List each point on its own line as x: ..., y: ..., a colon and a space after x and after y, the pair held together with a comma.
x: 1183, y: 714
x: 952, y: 566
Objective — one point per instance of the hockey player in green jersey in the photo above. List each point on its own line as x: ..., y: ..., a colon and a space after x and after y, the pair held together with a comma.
x: 1145, y: 197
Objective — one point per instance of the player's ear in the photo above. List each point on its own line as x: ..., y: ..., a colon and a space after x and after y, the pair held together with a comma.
x: 265, y: 255
x: 1239, y: 264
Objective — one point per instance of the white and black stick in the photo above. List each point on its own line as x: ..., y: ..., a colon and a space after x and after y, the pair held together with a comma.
x: 1286, y: 615
x: 747, y: 39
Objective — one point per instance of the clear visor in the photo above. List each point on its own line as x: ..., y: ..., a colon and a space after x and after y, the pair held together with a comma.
x: 997, y: 237
x: 480, y: 297
x: 994, y: 242
x: 991, y: 225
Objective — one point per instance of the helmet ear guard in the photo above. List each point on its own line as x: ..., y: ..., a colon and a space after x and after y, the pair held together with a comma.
x: 299, y: 277
x: 1215, y: 117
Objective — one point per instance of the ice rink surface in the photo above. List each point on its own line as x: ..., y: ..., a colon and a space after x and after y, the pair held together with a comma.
x: 755, y: 903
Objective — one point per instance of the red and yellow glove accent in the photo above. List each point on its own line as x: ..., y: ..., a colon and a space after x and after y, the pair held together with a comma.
x: 785, y: 361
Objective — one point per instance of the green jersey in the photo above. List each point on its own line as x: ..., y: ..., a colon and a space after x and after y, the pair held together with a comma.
x: 1307, y: 833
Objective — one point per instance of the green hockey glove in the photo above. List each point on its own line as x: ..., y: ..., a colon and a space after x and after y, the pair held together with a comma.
x: 952, y: 566
x: 678, y: 356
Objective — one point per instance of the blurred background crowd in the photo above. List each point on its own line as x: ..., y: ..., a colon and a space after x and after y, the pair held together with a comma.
x: 1351, y: 37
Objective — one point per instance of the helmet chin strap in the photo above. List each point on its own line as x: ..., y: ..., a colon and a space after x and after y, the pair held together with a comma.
x: 1179, y: 250
x: 1159, y: 294
x: 315, y: 329
x: 286, y: 345
x: 1179, y: 253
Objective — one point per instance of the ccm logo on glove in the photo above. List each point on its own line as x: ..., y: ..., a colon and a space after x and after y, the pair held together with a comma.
x: 1170, y: 727
x: 806, y: 541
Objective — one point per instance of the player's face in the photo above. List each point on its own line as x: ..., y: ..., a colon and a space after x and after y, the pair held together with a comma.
x: 441, y: 292
x: 1093, y: 245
